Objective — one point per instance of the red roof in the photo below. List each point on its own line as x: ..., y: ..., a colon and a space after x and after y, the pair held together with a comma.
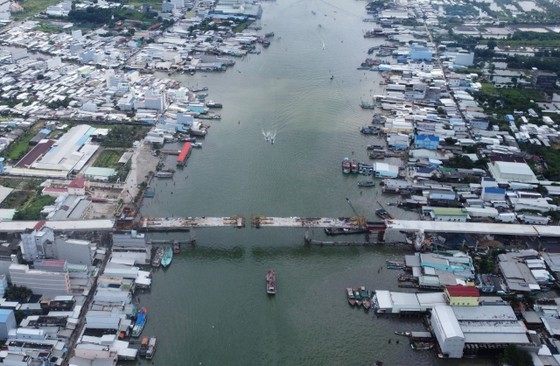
x: 77, y: 183
x: 464, y: 291
x: 39, y: 225
x: 185, y: 151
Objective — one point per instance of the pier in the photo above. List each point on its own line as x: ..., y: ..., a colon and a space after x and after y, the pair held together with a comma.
x: 187, y: 223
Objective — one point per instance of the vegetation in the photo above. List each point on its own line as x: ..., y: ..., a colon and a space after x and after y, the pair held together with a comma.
x: 514, y: 356
x: 124, y: 136
x: 20, y: 146
x: 15, y: 199
x: 102, y: 16
x: 33, y: 7
x: 18, y: 293
x: 550, y: 160
x: 32, y: 208
x: 108, y: 159
x: 505, y: 101
x: 464, y: 162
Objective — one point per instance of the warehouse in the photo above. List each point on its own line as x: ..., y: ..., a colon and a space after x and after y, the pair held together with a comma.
x: 467, y: 329
x: 512, y: 171
x: 389, y: 302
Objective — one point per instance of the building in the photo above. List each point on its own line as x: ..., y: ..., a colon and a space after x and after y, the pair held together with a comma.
x: 37, y: 243
x: 390, y: 302
x: 545, y: 80
x: 45, y: 282
x: 131, y: 246
x: 77, y: 186
x: 74, y: 251
x: 462, y: 295
x: 448, y: 333
x: 446, y: 213
x: 493, y: 194
x: 429, y: 142
x: 466, y: 329
x: 384, y: 170
x: 7, y: 323
x: 512, y: 171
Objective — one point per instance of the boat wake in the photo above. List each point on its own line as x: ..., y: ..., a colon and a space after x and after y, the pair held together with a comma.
x: 269, y: 136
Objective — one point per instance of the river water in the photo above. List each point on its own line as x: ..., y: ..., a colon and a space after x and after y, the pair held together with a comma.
x: 210, y: 307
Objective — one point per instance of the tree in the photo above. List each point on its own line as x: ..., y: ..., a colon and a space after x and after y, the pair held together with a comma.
x: 516, y: 357
x: 18, y: 293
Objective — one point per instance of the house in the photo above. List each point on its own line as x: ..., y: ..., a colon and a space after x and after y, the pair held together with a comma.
x: 462, y: 295
x: 77, y: 187
x: 398, y: 141
x: 429, y: 142
x: 493, y: 194
x: 384, y: 170
x: 446, y: 213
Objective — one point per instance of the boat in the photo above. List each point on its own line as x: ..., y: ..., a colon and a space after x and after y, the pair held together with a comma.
x: 366, y: 303
x: 167, y: 257
x: 404, y: 334
x: 271, y: 282
x: 168, y: 173
x: 346, y: 166
x: 358, y: 297
x: 382, y: 213
x: 140, y: 322
x: 354, y: 167
x: 367, y: 130
x: 143, y: 347
x: 350, y: 296
x: 391, y: 264
x: 211, y: 104
x: 269, y: 35
x: 364, y: 293
x: 366, y: 183
x: 176, y: 248
x: 156, y: 260
x: 151, y: 348
x: 197, y: 144
x: 422, y: 346
x: 375, y: 147
x: 332, y: 231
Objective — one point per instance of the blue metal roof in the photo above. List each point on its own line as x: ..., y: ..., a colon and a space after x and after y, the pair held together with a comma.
x: 494, y: 190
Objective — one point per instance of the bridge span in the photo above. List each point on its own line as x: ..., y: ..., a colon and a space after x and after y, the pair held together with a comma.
x: 187, y: 223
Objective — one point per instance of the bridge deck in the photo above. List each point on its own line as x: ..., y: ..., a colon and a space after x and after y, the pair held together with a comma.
x: 473, y: 228
x: 182, y: 223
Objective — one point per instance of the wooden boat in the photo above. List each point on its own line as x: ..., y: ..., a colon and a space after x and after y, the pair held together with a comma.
x: 366, y: 303
x: 176, y: 248
x: 350, y: 296
x: 366, y: 183
x: 358, y: 297
x: 382, y: 213
x: 156, y: 260
x: 422, y: 346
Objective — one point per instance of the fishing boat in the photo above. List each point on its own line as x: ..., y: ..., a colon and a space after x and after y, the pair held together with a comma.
x: 382, y: 213
x: 358, y: 297
x: 143, y: 347
x: 366, y: 303
x: 367, y: 130
x: 346, y: 166
x: 350, y: 296
x: 141, y: 318
x: 151, y: 348
x: 364, y: 293
x: 156, y: 260
x: 391, y: 264
x: 176, y: 248
x: 366, y: 183
x: 354, y: 167
x: 332, y: 231
x: 167, y: 257
x: 375, y: 147
x: 271, y: 282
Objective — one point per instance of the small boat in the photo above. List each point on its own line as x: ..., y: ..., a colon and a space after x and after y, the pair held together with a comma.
x: 156, y: 260
x: 197, y: 144
x: 367, y: 130
x: 404, y: 334
x: 269, y: 34
x: 395, y: 264
x: 151, y: 348
x: 354, y: 167
x: 271, y: 282
x: 346, y: 166
x: 167, y: 257
x: 375, y: 147
x: 176, y: 248
x: 364, y: 293
x: 366, y: 183
x: 143, y: 347
x: 211, y: 104
x: 350, y: 296
x: 422, y: 346
x: 366, y: 303
x: 382, y: 213
x: 141, y: 318
x: 358, y: 297
x: 332, y: 231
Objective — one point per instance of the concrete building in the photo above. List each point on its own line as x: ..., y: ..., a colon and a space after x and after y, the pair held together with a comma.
x: 384, y: 170
x: 48, y: 283
x: 131, y: 246
x: 462, y: 295
x: 74, y: 251
x: 493, y: 194
x: 390, y: 302
x: 7, y: 323
x: 446, y: 213
x: 37, y: 243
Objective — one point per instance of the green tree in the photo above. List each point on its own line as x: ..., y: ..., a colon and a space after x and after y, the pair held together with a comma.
x: 516, y: 357
x: 18, y: 293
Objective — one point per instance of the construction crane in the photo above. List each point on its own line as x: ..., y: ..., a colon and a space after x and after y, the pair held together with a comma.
x: 360, y: 220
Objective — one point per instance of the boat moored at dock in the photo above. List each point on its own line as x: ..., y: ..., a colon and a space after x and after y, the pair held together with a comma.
x: 156, y: 260
x: 167, y: 257
x: 350, y: 296
x: 151, y: 348
x: 346, y: 166
x: 141, y: 318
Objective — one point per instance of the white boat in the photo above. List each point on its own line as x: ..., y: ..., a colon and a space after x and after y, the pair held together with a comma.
x: 197, y: 144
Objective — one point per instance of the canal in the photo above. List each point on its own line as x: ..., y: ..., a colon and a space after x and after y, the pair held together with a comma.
x: 210, y: 307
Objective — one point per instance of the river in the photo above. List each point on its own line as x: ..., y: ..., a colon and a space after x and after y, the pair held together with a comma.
x: 210, y: 307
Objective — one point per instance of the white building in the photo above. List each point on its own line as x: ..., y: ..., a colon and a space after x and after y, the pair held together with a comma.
x: 37, y: 243
x: 512, y: 171
x: 48, y: 283
x: 447, y: 331
x: 74, y: 251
